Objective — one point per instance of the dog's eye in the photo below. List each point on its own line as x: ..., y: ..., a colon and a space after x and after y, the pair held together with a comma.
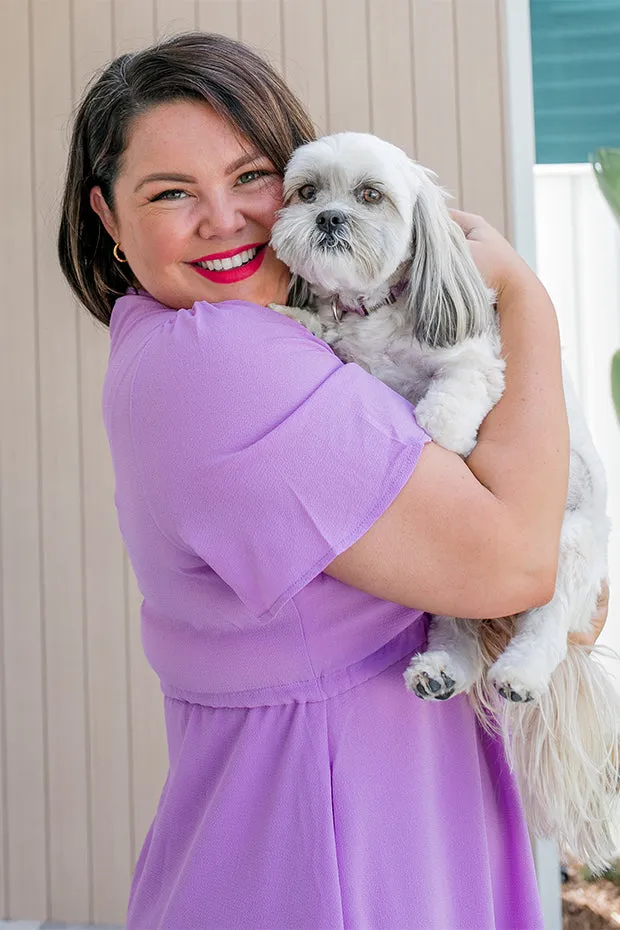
x: 307, y: 192
x: 370, y: 195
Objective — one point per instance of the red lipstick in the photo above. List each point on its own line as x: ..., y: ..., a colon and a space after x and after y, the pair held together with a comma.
x: 231, y: 252
x: 232, y: 275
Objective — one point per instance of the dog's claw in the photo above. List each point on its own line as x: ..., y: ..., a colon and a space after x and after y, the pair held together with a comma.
x: 507, y: 692
x: 430, y: 688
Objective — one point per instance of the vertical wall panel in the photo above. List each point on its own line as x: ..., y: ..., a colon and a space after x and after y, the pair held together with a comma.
x: 481, y: 118
x: 390, y: 72
x: 133, y: 24
x: 25, y: 838
x: 347, y: 62
x: 60, y: 478
x: 172, y: 16
x: 435, y: 91
x: 148, y: 754
x: 133, y: 28
x: 261, y: 27
x: 219, y: 16
x: 304, y: 56
x: 104, y: 602
x: 558, y: 261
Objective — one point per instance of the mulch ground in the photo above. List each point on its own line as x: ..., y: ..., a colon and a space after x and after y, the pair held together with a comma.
x: 589, y: 905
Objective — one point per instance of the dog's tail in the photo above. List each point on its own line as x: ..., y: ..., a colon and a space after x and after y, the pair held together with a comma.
x: 565, y: 750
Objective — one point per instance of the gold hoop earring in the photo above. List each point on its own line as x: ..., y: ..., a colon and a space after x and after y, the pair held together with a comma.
x: 115, y: 253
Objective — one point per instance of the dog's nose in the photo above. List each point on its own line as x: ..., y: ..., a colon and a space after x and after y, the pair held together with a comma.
x: 329, y: 220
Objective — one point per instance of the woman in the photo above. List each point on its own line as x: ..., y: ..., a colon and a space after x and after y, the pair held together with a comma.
x: 288, y: 523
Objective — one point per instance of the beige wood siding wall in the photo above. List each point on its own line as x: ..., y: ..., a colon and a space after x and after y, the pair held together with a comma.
x: 82, y: 751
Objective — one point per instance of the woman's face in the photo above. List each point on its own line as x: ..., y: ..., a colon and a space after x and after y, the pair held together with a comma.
x: 192, y: 193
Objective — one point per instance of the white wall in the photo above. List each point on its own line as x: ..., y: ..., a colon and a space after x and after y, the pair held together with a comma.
x: 578, y: 257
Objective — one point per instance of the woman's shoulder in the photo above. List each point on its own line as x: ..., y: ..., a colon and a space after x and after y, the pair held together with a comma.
x: 234, y: 359
x: 236, y: 321
x: 237, y: 340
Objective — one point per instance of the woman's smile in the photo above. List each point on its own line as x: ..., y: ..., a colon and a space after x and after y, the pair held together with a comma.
x: 232, y: 266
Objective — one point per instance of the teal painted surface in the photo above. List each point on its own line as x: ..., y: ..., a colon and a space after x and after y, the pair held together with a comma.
x: 576, y: 67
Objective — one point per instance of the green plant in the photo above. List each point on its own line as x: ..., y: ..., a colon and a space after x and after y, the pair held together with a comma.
x: 606, y: 166
x: 615, y: 381
x: 612, y: 874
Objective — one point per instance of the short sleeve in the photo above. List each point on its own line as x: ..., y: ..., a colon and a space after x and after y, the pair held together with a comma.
x: 260, y: 451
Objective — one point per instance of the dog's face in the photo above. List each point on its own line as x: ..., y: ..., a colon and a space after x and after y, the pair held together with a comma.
x: 347, y: 220
x: 356, y: 210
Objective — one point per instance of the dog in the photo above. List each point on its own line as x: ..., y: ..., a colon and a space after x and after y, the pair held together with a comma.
x: 384, y: 276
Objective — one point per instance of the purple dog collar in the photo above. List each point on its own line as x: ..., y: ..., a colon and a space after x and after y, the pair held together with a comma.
x: 339, y: 308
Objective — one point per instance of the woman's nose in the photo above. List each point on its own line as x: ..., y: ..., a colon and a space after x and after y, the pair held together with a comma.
x: 221, y: 218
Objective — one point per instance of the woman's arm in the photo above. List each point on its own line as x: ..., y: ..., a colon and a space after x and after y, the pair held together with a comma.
x: 522, y: 453
x: 481, y: 538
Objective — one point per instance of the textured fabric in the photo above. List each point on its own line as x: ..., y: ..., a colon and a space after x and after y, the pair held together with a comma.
x: 307, y: 789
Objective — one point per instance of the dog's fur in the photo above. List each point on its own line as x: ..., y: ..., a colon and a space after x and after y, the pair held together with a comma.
x: 430, y: 332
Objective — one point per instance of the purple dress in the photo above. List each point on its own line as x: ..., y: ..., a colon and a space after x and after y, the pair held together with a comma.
x: 307, y: 788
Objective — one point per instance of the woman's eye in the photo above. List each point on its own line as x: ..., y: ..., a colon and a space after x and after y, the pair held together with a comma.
x: 169, y: 195
x: 370, y: 195
x: 307, y: 192
x: 248, y: 176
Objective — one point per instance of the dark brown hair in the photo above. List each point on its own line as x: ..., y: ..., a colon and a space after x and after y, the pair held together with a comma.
x: 235, y: 81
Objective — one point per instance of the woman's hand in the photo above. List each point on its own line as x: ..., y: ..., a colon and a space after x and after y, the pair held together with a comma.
x: 498, y: 263
x: 598, y: 620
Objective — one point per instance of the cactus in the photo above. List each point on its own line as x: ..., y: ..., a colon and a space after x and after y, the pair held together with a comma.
x: 606, y: 166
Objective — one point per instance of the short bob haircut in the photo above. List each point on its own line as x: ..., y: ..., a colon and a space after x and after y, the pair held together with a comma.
x: 235, y: 81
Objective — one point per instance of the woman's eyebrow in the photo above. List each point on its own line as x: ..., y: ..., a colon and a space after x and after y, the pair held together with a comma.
x: 183, y: 178
x: 246, y: 159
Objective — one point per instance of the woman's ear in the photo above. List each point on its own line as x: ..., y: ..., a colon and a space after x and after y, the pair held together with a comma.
x: 104, y: 213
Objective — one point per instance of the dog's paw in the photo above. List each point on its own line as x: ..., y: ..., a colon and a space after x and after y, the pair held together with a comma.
x: 435, y: 676
x: 310, y: 320
x: 496, y: 382
x: 513, y: 685
x: 446, y: 423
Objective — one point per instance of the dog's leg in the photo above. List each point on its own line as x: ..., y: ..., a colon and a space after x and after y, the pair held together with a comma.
x: 523, y: 671
x: 308, y: 319
x: 451, y: 663
x: 468, y: 381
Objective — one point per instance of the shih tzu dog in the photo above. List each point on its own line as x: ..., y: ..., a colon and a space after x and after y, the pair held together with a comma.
x: 385, y: 277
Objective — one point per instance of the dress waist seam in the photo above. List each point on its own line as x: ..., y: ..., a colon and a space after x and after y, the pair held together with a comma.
x: 322, y: 687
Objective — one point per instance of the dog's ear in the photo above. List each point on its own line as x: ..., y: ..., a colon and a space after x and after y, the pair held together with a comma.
x: 299, y: 293
x: 447, y: 297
